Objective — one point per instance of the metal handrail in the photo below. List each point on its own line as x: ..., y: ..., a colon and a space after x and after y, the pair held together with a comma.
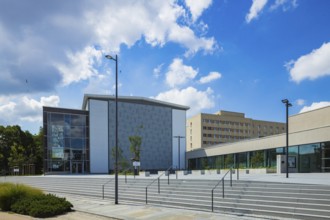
x: 223, y: 185
x: 113, y: 179
x: 158, y: 178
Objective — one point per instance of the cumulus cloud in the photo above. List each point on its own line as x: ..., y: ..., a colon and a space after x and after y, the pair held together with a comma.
x: 54, y: 44
x: 197, y: 7
x: 81, y: 65
x: 255, y: 9
x: 195, y: 99
x: 179, y: 74
x: 311, y: 66
x: 14, y: 110
x: 315, y: 105
x: 211, y: 77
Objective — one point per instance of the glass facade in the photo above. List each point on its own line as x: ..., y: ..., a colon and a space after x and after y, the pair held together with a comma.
x: 66, y: 141
x: 307, y: 158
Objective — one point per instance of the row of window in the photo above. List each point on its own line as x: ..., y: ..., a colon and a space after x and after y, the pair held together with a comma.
x: 226, y: 122
x: 227, y: 130
x: 225, y: 136
x: 277, y: 131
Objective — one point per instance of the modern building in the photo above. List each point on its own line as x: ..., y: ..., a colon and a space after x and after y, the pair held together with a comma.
x: 83, y: 141
x: 309, y: 148
x: 205, y: 130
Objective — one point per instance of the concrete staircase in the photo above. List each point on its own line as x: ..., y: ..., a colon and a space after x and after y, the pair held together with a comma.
x: 299, y: 201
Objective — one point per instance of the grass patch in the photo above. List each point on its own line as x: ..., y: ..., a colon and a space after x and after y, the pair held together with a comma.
x: 11, y: 193
x: 26, y: 200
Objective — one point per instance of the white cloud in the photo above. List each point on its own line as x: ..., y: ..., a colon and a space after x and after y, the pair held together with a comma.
x: 209, y: 78
x: 300, y: 102
x: 255, y: 9
x: 7, y: 108
x: 284, y: 4
x: 186, y: 37
x: 179, y: 74
x: 196, y: 100
x: 81, y: 65
x: 197, y: 7
x: 15, y: 110
x: 55, y: 43
x: 156, y: 21
x: 314, y: 105
x: 311, y: 66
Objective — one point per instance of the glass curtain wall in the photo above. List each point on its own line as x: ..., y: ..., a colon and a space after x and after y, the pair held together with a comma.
x: 325, y: 157
x: 303, y: 159
x: 67, y: 143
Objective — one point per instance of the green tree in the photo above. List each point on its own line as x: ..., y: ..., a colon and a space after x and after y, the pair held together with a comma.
x: 8, y: 137
x: 19, y: 148
x: 38, y: 141
x: 135, y: 144
x: 17, y: 156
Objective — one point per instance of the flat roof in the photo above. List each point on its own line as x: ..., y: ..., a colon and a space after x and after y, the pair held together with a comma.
x: 64, y: 110
x: 132, y: 99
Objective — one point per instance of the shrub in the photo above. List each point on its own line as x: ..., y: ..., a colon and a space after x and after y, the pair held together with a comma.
x: 41, y: 206
x: 11, y: 193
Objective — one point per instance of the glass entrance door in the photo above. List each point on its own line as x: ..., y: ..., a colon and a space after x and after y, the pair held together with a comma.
x: 77, y: 167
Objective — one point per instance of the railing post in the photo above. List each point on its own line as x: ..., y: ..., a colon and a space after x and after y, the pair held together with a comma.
x: 223, y: 188
x: 102, y: 191
x: 168, y: 177
x: 231, y: 177
x: 158, y: 186
x: 146, y: 195
x: 212, y: 200
x: 125, y: 176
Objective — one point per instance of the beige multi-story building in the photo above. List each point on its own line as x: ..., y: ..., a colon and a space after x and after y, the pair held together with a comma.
x: 204, y: 130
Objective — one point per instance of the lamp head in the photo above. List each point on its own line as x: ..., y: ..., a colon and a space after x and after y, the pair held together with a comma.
x: 285, y: 101
x: 110, y: 57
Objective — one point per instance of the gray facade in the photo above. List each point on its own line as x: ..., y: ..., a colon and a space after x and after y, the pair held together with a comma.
x: 152, y: 123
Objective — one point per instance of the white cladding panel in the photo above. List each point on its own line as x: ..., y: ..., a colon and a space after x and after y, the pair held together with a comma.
x: 179, y: 129
x: 98, y: 128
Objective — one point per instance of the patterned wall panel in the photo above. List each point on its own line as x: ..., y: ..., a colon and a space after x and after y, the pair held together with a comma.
x: 156, y: 150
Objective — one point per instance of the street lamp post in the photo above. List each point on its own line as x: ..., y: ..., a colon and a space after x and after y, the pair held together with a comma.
x: 179, y: 137
x: 287, y: 105
x: 116, y: 102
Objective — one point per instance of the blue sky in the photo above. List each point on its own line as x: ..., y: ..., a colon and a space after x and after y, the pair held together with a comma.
x: 234, y: 55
